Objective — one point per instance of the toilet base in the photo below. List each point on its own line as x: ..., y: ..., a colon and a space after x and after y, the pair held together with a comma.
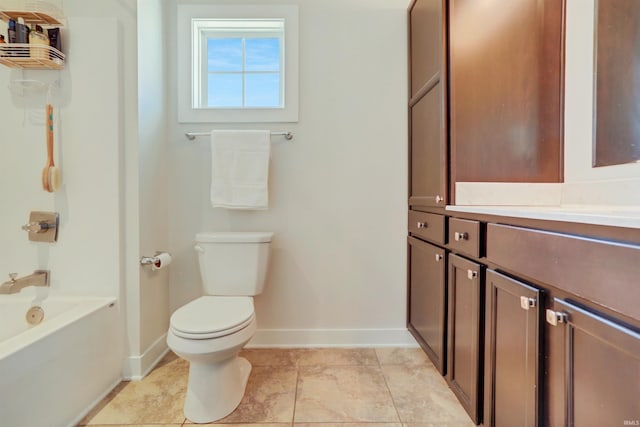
x: 215, y: 390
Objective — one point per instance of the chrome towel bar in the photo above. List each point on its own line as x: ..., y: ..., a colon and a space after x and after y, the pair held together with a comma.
x: 192, y: 135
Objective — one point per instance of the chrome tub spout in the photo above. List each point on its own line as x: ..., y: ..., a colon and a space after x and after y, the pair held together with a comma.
x: 15, y: 284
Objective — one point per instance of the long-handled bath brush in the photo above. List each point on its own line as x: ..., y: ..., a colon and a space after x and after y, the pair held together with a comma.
x: 50, y: 173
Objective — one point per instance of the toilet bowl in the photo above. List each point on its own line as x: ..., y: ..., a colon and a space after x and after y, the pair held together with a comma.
x: 210, y: 331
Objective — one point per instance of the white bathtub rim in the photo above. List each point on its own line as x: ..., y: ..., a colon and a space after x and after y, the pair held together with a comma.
x: 85, y: 306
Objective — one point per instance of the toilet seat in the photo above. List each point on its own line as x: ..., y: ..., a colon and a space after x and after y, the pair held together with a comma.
x: 212, y: 317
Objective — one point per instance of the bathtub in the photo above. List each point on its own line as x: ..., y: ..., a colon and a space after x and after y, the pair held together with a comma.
x: 51, y: 374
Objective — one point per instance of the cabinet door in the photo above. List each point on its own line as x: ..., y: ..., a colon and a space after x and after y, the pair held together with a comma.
x: 465, y: 323
x: 512, y: 352
x: 425, y: 42
x: 594, y: 369
x: 506, y: 90
x: 427, y: 307
x: 427, y: 151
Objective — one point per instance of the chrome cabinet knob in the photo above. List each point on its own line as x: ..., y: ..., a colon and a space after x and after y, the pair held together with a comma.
x: 439, y: 199
x: 460, y: 236
x: 422, y: 224
x: 439, y: 257
x: 472, y: 274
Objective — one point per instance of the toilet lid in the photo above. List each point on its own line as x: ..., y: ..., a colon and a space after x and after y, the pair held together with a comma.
x: 212, y: 316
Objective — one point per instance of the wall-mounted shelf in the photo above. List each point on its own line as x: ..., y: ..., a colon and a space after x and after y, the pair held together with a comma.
x: 32, y: 56
x: 38, y: 18
x: 24, y: 55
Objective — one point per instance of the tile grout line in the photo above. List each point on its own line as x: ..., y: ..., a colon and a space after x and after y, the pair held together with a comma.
x: 295, y: 395
x: 393, y: 401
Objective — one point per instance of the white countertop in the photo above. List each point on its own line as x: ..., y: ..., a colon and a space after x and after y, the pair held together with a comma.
x: 617, y: 216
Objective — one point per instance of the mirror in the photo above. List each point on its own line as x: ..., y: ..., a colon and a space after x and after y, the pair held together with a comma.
x: 617, y: 83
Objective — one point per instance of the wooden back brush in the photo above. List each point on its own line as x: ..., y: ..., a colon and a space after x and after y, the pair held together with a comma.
x: 50, y: 173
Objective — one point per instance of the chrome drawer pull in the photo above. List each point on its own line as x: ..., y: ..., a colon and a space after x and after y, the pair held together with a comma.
x: 526, y: 303
x: 460, y: 236
x: 555, y: 317
x: 422, y: 224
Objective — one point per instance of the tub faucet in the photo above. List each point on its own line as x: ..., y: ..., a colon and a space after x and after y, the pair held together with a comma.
x: 15, y: 284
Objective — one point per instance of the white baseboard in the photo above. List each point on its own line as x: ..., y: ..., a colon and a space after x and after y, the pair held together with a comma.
x: 137, y: 367
x: 331, y: 338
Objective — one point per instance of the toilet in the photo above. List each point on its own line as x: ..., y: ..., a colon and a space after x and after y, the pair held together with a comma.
x: 210, y: 331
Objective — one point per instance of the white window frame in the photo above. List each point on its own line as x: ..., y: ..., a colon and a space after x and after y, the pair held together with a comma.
x: 188, y: 61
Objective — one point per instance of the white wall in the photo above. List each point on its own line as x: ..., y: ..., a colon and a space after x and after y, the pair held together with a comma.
x: 337, y: 191
x: 151, y: 309
x: 583, y: 183
x: 88, y: 200
x: 140, y: 168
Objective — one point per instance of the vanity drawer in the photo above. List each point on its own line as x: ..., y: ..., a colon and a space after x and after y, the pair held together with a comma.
x: 464, y: 236
x: 601, y: 271
x: 427, y: 226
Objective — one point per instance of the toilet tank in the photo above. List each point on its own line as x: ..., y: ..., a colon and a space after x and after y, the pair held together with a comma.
x: 233, y: 263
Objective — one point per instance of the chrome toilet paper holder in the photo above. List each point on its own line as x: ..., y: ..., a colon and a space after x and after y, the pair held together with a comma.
x: 152, y: 260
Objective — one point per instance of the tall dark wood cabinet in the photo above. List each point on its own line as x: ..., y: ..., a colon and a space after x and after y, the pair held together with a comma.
x: 464, y: 355
x: 513, y: 360
x: 428, y: 178
x: 427, y: 105
x: 506, y: 90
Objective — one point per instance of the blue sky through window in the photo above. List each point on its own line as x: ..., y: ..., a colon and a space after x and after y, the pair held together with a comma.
x: 224, y: 54
x: 234, y: 84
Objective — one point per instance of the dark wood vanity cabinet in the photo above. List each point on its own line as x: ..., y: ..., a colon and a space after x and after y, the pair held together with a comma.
x: 542, y: 327
x: 594, y: 368
x: 465, y: 333
x: 428, y: 296
x: 513, y: 320
x: 591, y: 331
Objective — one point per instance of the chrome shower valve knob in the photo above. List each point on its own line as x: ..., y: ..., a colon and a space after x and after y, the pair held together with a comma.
x: 37, y: 227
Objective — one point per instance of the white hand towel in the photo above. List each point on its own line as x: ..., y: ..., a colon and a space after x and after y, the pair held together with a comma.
x: 240, y: 169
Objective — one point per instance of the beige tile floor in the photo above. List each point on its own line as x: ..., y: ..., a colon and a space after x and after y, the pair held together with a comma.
x: 303, y: 387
